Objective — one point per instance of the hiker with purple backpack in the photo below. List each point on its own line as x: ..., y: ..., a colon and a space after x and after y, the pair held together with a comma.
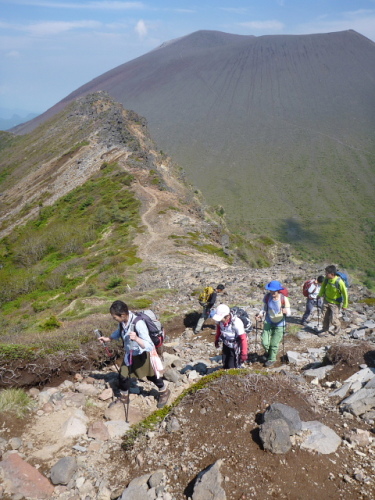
x: 276, y: 307
x: 140, y: 359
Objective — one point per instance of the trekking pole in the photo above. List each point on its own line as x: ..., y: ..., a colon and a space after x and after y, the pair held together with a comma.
x: 284, y: 328
x: 109, y: 353
x: 256, y: 336
x: 317, y: 306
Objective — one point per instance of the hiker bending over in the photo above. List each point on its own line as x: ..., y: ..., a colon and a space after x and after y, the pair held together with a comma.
x: 207, y: 300
x: 275, y: 308
x: 230, y: 330
x: 335, y: 294
x: 137, y: 346
x: 311, y: 289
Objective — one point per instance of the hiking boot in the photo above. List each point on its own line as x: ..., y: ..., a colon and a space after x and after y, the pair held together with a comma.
x: 269, y: 363
x: 262, y: 359
x: 322, y: 334
x: 163, y: 398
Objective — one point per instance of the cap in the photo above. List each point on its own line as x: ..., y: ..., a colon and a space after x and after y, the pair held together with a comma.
x: 220, y: 287
x: 274, y: 286
x: 221, y: 311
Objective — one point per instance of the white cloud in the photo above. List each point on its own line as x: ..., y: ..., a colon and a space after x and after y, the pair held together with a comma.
x: 271, y: 25
x: 234, y: 10
x: 56, y: 27
x: 362, y: 21
x: 99, y: 5
x: 141, y: 28
x: 12, y: 54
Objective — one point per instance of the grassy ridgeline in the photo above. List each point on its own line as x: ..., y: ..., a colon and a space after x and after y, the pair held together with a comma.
x: 79, y: 247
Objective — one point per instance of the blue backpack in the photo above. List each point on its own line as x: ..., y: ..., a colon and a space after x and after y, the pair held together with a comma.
x: 344, y: 277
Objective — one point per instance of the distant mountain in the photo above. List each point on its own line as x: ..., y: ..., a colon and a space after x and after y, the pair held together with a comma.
x: 9, y: 118
x: 277, y: 130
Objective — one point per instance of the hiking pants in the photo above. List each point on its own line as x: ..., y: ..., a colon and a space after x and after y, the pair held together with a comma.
x: 331, y: 314
x: 271, y: 338
x: 230, y: 357
x: 310, y: 304
x: 202, y: 319
x: 124, y: 382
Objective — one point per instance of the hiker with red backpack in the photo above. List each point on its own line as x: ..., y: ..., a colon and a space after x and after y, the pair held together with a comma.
x: 276, y: 307
x: 139, y: 353
x: 335, y: 295
x: 207, y: 299
x: 310, y: 290
x: 230, y: 331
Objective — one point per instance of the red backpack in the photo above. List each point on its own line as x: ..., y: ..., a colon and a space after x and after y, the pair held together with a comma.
x: 306, y: 286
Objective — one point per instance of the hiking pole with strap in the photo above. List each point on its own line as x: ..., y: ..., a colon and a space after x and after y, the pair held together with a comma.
x: 108, y: 352
x: 284, y: 328
x: 317, y: 306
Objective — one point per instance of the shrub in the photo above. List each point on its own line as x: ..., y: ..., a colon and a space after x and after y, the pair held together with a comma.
x: 15, y: 401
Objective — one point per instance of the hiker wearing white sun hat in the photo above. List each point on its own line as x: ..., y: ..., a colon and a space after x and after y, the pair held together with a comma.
x: 230, y: 330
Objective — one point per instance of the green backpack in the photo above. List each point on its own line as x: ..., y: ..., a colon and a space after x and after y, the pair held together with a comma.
x: 205, y: 295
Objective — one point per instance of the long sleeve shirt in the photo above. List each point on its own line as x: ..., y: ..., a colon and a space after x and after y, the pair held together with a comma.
x: 334, y: 294
x: 142, y: 332
x: 231, y: 334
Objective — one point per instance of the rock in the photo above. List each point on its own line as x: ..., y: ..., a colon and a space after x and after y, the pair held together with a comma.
x: 106, y: 394
x: 208, y: 484
x: 157, y: 478
x: 117, y: 428
x: 173, y: 425
x: 319, y: 373
x: 15, y: 443
x: 359, y: 437
x: 321, y: 439
x: 291, y: 416
x: 275, y: 436
x: 87, y: 389
x: 75, y: 399
x: 172, y: 375
x: 75, y: 425
x: 63, y: 470
x: 341, y: 392
x: 98, y: 430
x: 137, y: 489
x: 24, y: 480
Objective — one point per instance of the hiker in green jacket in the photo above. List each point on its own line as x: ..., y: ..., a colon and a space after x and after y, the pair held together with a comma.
x: 335, y: 294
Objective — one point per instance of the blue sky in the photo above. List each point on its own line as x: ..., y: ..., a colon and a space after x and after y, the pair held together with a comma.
x: 48, y: 48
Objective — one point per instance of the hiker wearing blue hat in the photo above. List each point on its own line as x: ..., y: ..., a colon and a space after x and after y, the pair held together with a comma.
x: 276, y: 307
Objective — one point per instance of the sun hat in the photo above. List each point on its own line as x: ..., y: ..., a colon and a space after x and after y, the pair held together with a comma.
x: 221, y: 311
x: 274, y: 286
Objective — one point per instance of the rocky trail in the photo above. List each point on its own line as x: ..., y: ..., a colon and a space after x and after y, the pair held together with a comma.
x: 227, y: 439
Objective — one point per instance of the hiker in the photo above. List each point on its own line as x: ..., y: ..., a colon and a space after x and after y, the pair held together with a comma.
x: 137, y: 346
x: 311, y: 289
x: 276, y: 307
x: 335, y: 294
x: 207, y: 300
x: 230, y: 330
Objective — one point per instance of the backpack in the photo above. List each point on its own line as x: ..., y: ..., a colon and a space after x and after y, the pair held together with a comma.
x: 205, y: 295
x: 344, y: 277
x: 154, y: 326
x: 283, y: 293
x: 306, y: 286
x: 243, y: 316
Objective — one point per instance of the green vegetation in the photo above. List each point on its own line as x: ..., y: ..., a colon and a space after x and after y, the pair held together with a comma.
x: 15, y: 401
x: 81, y: 246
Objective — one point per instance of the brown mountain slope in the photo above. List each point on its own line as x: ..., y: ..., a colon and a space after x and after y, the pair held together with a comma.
x: 265, y: 122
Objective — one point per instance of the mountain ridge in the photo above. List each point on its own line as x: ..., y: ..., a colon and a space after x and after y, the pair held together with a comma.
x: 280, y: 121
